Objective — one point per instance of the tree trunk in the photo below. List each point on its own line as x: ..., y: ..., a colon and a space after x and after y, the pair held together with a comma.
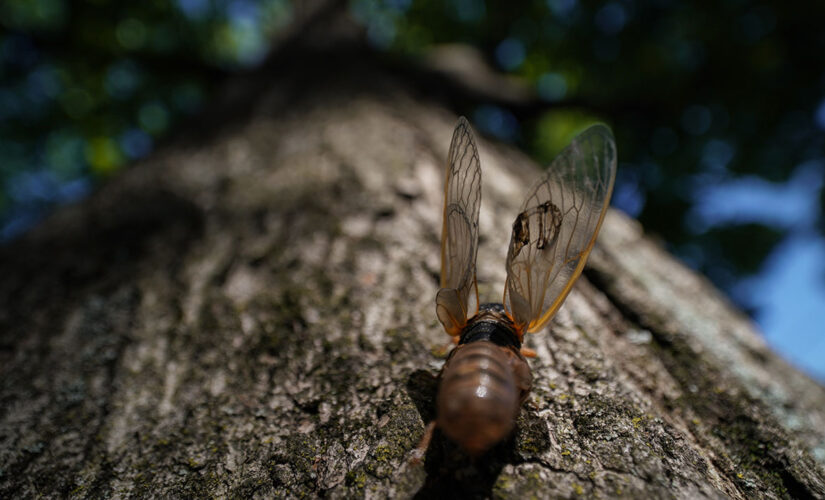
x: 251, y: 312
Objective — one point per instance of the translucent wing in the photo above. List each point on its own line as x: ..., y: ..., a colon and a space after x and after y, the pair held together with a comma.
x: 557, y: 227
x: 459, y: 236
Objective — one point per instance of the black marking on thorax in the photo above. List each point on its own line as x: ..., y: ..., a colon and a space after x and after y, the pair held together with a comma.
x: 490, y: 324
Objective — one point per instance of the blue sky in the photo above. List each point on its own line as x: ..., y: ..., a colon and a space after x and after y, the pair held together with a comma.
x: 789, y: 290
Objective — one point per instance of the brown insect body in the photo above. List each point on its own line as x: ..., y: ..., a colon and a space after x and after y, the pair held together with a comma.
x: 486, y: 378
x: 483, y: 382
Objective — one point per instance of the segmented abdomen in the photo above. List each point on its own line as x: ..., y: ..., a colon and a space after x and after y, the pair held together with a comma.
x: 479, y: 395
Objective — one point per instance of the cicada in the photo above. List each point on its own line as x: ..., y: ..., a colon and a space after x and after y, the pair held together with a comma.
x: 486, y: 378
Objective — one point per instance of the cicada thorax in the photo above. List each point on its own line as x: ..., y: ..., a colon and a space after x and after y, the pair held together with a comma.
x: 483, y: 382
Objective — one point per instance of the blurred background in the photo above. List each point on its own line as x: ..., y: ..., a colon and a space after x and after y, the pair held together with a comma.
x: 718, y: 108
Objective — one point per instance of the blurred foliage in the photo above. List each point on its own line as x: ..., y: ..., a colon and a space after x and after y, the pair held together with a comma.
x: 89, y: 85
x: 699, y: 94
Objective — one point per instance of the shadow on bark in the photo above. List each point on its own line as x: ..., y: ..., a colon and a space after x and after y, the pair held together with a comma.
x: 103, y: 248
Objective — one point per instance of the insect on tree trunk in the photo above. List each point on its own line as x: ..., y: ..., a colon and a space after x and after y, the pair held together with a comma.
x: 251, y: 312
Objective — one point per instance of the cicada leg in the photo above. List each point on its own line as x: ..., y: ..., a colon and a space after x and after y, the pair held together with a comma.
x: 421, y: 450
x: 442, y: 351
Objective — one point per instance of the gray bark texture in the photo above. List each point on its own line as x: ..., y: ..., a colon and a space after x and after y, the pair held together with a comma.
x: 250, y: 313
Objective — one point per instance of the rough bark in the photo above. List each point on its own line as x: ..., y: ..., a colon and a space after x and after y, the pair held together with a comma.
x: 250, y: 312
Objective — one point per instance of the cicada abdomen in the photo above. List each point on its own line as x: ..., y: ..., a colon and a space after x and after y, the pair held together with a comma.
x: 483, y: 383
